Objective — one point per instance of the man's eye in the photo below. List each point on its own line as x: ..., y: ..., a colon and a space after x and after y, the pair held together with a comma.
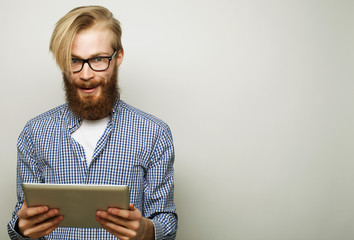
x: 98, y: 59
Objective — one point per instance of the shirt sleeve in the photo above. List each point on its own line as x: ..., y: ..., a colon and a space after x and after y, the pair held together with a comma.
x: 159, y: 205
x: 27, y: 171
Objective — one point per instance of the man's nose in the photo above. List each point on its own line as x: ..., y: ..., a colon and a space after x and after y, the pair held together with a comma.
x: 86, y: 72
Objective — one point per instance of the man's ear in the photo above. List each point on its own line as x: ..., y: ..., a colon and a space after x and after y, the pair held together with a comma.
x: 120, y: 56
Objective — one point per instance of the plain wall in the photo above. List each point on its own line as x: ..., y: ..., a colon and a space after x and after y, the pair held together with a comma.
x: 258, y: 94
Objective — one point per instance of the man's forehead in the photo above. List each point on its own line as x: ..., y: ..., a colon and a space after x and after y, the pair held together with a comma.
x: 91, y: 42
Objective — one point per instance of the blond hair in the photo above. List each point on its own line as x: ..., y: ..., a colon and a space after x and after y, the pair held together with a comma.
x: 76, y: 20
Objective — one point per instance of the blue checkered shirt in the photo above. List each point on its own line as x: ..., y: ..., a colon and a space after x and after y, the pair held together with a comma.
x: 136, y: 149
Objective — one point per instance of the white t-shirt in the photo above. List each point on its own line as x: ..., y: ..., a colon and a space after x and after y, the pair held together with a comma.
x: 88, y: 135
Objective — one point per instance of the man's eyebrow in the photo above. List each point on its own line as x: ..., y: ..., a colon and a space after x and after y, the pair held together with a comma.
x: 99, y: 54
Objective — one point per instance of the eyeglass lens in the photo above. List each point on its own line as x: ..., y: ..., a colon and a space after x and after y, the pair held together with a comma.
x: 97, y: 64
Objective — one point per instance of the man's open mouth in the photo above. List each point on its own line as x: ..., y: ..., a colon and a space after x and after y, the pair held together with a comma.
x: 88, y: 90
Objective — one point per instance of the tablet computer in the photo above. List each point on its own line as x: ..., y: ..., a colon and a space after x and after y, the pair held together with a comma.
x: 77, y: 203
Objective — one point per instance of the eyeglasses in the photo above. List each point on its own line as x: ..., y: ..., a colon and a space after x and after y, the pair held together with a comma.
x: 96, y: 63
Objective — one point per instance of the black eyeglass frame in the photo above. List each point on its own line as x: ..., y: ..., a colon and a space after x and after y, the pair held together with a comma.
x: 88, y: 59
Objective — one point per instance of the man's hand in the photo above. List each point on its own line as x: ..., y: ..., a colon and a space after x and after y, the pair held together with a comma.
x: 126, y: 224
x: 36, y: 222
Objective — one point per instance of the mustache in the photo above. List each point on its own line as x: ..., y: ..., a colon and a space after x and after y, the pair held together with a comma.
x: 89, y: 84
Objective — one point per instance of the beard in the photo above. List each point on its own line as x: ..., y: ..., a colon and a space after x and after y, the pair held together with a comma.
x: 92, y: 107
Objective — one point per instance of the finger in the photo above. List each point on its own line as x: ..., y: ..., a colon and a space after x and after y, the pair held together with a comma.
x: 111, y: 218
x: 118, y: 230
x: 44, y: 228
x: 131, y: 207
x: 48, y: 231
x: 28, y: 223
x: 45, y: 216
x: 117, y: 234
x: 133, y: 215
x: 126, y: 223
x: 27, y: 212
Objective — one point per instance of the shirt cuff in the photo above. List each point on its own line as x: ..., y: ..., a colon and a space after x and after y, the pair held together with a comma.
x: 12, y: 232
x: 158, y: 229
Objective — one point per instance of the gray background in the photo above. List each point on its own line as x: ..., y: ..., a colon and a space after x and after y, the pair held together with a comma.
x: 258, y: 94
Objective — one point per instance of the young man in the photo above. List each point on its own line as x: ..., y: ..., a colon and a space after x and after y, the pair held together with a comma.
x: 96, y: 138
